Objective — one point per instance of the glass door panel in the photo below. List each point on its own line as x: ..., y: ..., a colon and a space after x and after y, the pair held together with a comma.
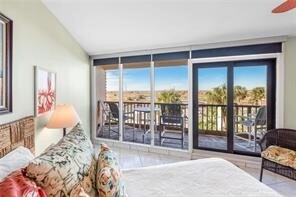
x: 250, y: 106
x: 136, y: 103
x: 211, y: 100
x: 107, y: 79
x: 171, y: 104
x: 234, y: 105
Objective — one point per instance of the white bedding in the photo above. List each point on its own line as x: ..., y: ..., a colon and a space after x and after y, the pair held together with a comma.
x: 16, y: 159
x: 198, y: 178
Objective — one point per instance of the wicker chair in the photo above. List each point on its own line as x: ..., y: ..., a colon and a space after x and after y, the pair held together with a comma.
x: 285, y: 138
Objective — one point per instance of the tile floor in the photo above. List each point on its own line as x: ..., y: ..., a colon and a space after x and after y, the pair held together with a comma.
x: 135, y: 159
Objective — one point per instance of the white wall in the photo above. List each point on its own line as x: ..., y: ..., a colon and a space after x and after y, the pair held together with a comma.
x: 39, y: 39
x: 290, y: 84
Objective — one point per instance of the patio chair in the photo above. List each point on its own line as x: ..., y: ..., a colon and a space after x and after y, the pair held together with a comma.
x: 113, y: 115
x: 106, y: 116
x: 171, y: 116
x: 256, y: 121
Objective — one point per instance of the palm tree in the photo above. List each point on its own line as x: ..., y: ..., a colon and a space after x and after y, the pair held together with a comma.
x: 257, y: 94
x: 240, y: 93
x: 169, y: 96
x: 217, y: 96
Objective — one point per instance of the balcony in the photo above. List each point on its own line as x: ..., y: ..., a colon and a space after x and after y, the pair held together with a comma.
x: 248, y: 90
x: 212, y: 126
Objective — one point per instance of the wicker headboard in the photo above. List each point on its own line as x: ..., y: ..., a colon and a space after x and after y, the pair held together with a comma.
x: 17, y: 133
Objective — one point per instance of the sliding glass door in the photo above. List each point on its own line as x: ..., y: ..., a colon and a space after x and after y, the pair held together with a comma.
x: 211, y: 110
x: 234, y: 105
x: 254, y: 103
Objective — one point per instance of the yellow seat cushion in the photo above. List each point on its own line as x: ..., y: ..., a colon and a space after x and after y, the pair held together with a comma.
x: 283, y: 156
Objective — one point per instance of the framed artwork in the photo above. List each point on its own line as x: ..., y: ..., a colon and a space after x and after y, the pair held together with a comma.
x: 5, y: 64
x: 45, y: 91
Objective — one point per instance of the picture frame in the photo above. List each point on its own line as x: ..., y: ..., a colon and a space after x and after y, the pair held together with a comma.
x: 45, y: 91
x: 6, y: 33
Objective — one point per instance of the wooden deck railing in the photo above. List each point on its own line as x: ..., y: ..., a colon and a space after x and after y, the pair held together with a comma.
x: 130, y: 106
x: 211, y: 118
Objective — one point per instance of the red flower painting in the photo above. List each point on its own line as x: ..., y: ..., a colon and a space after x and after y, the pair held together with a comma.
x: 45, y: 90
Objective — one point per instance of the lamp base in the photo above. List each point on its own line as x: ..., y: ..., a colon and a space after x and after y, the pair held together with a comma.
x: 64, y: 132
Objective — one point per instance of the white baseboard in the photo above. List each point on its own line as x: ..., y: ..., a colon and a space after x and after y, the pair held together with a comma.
x: 146, y: 148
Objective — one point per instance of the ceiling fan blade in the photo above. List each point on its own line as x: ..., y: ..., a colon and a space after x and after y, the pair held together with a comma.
x: 284, y: 7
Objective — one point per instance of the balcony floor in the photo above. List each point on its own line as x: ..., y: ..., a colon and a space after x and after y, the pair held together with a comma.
x: 138, y: 137
x: 220, y: 143
x: 206, y: 141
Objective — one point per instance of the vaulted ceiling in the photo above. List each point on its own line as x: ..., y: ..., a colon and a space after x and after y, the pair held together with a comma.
x: 110, y: 26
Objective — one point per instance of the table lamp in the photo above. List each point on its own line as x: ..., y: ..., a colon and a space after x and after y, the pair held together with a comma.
x: 64, y: 116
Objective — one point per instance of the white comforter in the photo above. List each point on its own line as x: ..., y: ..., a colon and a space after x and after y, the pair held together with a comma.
x: 198, y: 178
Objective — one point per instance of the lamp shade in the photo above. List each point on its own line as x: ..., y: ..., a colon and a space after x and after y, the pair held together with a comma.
x: 64, y: 116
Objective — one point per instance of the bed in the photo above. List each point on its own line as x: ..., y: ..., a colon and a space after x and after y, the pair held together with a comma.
x: 203, y: 177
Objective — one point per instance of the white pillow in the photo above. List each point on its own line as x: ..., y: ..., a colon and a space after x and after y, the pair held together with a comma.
x: 16, y: 159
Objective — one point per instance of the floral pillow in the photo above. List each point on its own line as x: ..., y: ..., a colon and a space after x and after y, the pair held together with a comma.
x: 107, y: 157
x: 66, y: 167
x: 284, y: 156
x: 17, y: 185
x: 108, y: 177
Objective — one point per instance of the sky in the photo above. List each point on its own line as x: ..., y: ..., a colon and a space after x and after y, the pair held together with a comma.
x: 247, y: 76
x: 176, y: 77
x: 138, y: 79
